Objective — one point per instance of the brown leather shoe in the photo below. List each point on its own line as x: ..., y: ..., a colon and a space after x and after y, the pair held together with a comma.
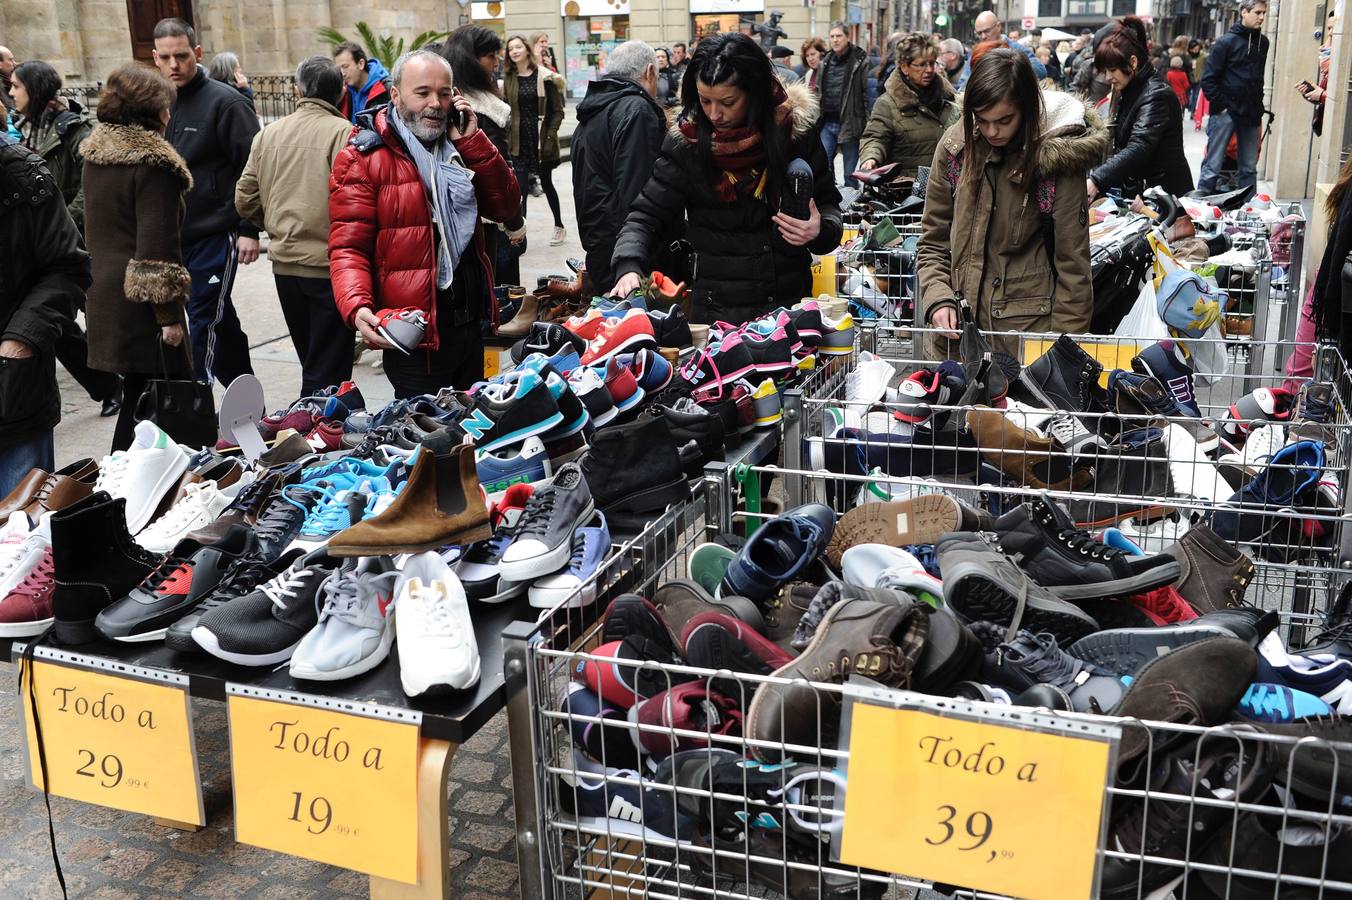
x: 1215, y: 574
x: 23, y: 492
x: 289, y: 447
x: 563, y: 287
x: 524, y: 318
x: 441, y: 504
x: 1037, y: 461
x: 57, y: 490
x: 878, y: 638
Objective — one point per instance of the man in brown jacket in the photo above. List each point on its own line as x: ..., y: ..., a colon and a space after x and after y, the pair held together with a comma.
x: 284, y: 189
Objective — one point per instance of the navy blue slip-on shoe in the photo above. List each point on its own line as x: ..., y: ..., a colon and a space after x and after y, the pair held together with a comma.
x: 779, y: 550
x: 1248, y: 515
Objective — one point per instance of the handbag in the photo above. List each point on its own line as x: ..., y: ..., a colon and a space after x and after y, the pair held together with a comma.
x: 184, y: 409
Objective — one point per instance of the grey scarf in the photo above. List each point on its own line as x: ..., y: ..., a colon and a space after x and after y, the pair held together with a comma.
x: 450, y: 184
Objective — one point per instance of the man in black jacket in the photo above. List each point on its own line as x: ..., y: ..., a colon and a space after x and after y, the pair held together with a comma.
x: 843, y: 82
x: 619, y: 134
x: 212, y: 126
x: 1233, y: 85
x: 45, y: 271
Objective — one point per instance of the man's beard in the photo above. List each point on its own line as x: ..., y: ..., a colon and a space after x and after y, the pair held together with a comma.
x: 424, y: 128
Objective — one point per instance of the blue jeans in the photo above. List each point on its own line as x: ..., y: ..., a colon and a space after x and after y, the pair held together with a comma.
x: 1219, y: 127
x: 848, y: 149
x: 17, y: 460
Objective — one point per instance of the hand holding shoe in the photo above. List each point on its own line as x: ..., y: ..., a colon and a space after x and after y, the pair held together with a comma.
x: 367, y: 322
x: 626, y: 285
x: 946, y: 320
x: 799, y: 232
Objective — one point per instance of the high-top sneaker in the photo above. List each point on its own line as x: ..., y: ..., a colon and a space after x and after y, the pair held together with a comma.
x: 1336, y: 638
x: 1061, y: 378
x: 441, y: 504
x: 95, y: 562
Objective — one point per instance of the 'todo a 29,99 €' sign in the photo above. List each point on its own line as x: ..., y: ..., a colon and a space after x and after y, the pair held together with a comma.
x: 333, y: 787
x: 979, y: 804
x: 116, y: 741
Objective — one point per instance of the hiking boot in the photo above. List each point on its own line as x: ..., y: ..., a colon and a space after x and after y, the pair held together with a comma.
x: 1215, y: 574
x: 1199, y: 684
x: 1034, y: 659
x: 881, y: 641
x: 95, y: 563
x: 1044, y: 539
x: 1315, y: 408
x: 784, y: 610
x: 982, y: 584
x: 634, y: 472
x: 1060, y: 378
x: 440, y: 504
x: 897, y: 523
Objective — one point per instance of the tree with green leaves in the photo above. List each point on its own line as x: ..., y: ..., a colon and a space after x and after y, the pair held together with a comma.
x: 383, y: 47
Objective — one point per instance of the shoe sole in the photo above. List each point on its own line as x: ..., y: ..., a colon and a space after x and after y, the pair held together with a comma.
x: 1158, y: 577
x: 360, y: 667
x: 916, y: 520
x: 680, y: 600
x: 207, y: 640
x: 1124, y: 651
x: 971, y: 591
x: 25, y: 629
x: 440, y: 688
x: 632, y: 617
x: 710, y: 646
x: 468, y: 536
x: 709, y: 563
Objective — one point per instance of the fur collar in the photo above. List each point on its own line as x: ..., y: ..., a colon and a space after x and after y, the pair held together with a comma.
x: 132, y: 145
x: 803, y: 106
x: 491, y: 107
x: 1074, y: 137
x: 905, y: 96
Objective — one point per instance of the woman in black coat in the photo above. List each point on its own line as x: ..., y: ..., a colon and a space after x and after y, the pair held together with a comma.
x: 1147, y: 122
x: 722, y: 171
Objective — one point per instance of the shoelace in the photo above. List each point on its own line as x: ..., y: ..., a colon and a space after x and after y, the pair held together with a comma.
x: 1339, y: 631
x: 1085, y: 543
x: 579, y: 553
x: 342, y: 593
x: 243, y: 577
x: 168, y: 568
x: 283, y: 587
x: 437, y: 614
x: 1048, y: 664
x: 538, y: 515
x: 112, y: 470
x: 330, y: 516
x: 1314, y: 410
x: 193, y: 502
x: 39, y: 580
x: 11, y: 549
x: 278, y: 518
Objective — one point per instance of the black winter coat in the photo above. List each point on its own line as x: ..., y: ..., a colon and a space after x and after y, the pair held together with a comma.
x: 1233, y: 77
x: 1147, y: 132
x: 212, y: 126
x: 619, y: 134
x: 1331, y: 312
x: 44, y: 275
x: 742, y: 267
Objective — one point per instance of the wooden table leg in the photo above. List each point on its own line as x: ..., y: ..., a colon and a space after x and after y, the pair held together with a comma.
x: 174, y: 823
x: 434, y: 839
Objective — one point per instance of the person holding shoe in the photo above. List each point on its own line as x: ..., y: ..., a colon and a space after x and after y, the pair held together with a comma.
x: 916, y: 107
x: 722, y: 172
x: 1004, y: 228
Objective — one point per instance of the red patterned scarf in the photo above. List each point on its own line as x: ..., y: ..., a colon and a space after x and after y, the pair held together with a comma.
x: 739, y: 154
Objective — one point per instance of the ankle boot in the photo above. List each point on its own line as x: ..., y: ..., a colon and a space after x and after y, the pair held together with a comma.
x: 524, y: 318
x: 1215, y: 573
x: 441, y: 504
x: 634, y: 470
x: 95, y: 562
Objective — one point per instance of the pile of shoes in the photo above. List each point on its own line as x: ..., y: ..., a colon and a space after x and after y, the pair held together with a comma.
x: 1137, y: 453
x: 930, y: 595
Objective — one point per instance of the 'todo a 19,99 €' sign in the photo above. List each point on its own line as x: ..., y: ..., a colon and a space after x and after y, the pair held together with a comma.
x: 115, y: 741
x: 979, y: 804
x: 336, y: 788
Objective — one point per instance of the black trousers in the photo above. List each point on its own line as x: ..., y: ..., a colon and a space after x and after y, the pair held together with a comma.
x: 458, y: 363
x: 72, y: 351
x: 323, y: 343
x: 133, y: 386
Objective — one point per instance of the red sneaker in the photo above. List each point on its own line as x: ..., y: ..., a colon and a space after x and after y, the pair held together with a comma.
x: 325, y: 436
x: 27, y: 610
x: 630, y: 332
x: 693, y: 706
x: 587, y: 325
x: 623, y: 386
x: 1164, y: 606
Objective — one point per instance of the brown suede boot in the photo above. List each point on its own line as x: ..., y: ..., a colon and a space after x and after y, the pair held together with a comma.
x: 1216, y: 574
x: 524, y: 318
x: 441, y: 504
x: 1032, y: 459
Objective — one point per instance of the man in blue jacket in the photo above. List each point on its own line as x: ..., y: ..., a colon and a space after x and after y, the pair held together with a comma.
x: 989, y: 28
x: 1233, y: 85
x: 367, y: 84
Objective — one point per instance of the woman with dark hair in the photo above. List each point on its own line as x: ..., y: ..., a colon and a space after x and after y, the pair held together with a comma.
x: 533, y: 133
x: 134, y: 184
x: 668, y: 86
x: 722, y: 171
x: 1325, y: 315
x: 813, y: 52
x: 1147, y: 121
x: 916, y: 107
x: 1005, y: 208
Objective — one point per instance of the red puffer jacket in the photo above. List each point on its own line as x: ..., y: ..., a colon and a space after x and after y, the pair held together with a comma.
x: 381, y: 239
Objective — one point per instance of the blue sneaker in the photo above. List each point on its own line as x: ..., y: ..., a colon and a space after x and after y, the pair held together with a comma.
x: 610, y: 745
x: 1166, y: 363
x: 779, y: 550
x: 650, y: 368
x: 1247, y: 516
x: 509, y: 413
x: 619, y: 801
x: 500, y: 469
x: 1113, y: 537
x: 1277, y: 703
x: 1328, y: 678
x: 346, y: 472
x: 572, y: 584
x: 339, y: 509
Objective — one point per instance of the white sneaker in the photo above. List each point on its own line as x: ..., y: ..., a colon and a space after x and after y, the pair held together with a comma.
x: 354, y: 633
x: 143, y: 473
x: 21, y: 548
x: 1192, y: 473
x: 1261, y: 445
x: 1029, y: 418
x: 200, y: 504
x: 1076, y: 439
x: 868, y: 382
x: 1155, y: 537
x: 437, y: 649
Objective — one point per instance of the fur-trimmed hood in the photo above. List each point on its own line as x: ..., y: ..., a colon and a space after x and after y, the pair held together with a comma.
x: 804, y: 107
x: 904, y: 95
x: 1074, y: 136
x: 132, y: 145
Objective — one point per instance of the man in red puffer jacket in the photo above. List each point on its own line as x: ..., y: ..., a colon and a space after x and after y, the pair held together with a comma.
x: 405, y: 200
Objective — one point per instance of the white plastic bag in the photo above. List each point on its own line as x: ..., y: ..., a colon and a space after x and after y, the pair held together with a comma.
x: 1143, y: 321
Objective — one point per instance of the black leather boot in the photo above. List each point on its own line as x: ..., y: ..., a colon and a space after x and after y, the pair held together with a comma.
x: 95, y: 562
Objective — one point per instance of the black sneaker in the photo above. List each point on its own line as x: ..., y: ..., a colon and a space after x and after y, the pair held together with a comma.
x: 182, y: 579
x: 630, y: 614
x: 1033, y: 659
x: 1061, y: 378
x: 547, y: 338
x: 1336, y: 638
x: 1043, y: 538
x: 688, y: 422
x: 282, y: 519
x: 244, y: 577
x: 509, y: 413
x: 1125, y: 651
x: 263, y: 627
x: 671, y: 328
x: 544, y: 532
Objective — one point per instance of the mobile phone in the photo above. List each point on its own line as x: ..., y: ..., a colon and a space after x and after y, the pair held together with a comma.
x: 1305, y: 86
x: 461, y: 117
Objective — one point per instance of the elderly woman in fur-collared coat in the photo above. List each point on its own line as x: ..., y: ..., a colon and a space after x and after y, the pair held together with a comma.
x: 722, y: 171
x: 134, y: 183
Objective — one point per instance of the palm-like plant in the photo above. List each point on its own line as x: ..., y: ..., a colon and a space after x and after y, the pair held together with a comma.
x: 383, y: 47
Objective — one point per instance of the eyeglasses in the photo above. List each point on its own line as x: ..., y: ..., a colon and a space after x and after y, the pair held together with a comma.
x: 920, y: 66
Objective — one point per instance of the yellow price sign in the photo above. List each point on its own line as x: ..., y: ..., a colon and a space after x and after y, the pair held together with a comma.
x: 492, y: 361
x: 824, y: 275
x: 980, y: 804
x: 333, y: 787
x: 116, y: 741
